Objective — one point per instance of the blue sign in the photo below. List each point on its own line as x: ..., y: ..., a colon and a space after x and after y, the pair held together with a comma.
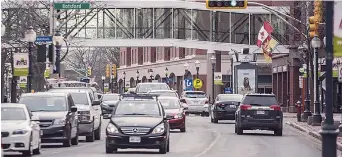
x: 228, y: 90
x: 188, y: 83
x: 40, y: 40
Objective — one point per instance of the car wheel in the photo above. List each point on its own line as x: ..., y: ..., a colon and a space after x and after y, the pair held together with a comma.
x: 91, y: 138
x: 74, y: 141
x: 168, y: 146
x: 29, y: 151
x: 111, y: 150
x: 163, y: 148
x: 67, y: 142
x: 98, y: 133
x: 278, y: 132
x: 37, y: 150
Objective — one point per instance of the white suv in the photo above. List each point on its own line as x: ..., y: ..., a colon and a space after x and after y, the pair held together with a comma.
x: 89, y: 113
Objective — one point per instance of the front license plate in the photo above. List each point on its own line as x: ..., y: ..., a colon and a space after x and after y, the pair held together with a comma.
x: 134, y: 139
x: 260, y: 112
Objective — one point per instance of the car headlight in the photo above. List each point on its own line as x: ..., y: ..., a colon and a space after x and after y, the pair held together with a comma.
x: 20, y: 132
x: 111, y: 128
x: 59, y: 121
x: 159, y: 129
x: 178, y: 116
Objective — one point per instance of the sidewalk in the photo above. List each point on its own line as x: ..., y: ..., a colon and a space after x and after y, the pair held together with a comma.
x: 291, y: 120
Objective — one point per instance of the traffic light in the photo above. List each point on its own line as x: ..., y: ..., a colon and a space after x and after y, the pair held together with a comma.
x: 89, y: 71
x: 107, y: 70
x: 315, y: 20
x: 114, y: 70
x: 226, y: 4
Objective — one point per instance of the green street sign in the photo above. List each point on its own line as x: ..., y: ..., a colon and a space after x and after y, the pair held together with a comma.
x: 71, y: 5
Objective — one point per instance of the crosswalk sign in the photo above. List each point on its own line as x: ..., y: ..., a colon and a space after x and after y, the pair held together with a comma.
x: 197, y: 83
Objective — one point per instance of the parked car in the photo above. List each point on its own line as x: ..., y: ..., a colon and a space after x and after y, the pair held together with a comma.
x: 57, y: 116
x: 224, y: 107
x: 259, y: 111
x: 145, y: 87
x: 89, y: 113
x: 138, y: 122
x: 20, y: 132
x: 197, y: 102
x: 173, y: 108
x: 169, y: 93
x: 109, y: 101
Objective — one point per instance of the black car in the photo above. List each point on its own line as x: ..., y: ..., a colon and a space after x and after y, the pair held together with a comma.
x: 57, y: 116
x: 109, y: 101
x: 138, y: 121
x: 224, y: 107
x: 259, y: 111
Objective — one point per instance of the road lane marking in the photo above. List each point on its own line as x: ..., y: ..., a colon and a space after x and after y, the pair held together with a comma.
x: 212, y: 144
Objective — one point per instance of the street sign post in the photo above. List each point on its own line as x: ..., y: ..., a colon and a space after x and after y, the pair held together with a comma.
x: 198, y: 83
x: 41, y: 40
x: 71, y: 6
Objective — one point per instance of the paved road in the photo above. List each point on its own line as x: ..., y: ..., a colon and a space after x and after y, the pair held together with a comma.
x: 204, y: 139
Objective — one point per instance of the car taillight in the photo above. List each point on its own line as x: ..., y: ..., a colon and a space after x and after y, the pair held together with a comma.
x: 206, y: 102
x: 182, y: 101
x: 275, y: 107
x: 245, y: 107
x: 221, y: 105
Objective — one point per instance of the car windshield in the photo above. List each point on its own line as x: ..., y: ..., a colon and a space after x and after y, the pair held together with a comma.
x: 195, y: 95
x: 150, y: 108
x: 110, y: 97
x: 229, y: 98
x: 44, y: 103
x: 144, y: 88
x: 80, y: 98
x: 170, y: 104
x: 12, y: 113
x: 256, y: 100
x: 164, y: 93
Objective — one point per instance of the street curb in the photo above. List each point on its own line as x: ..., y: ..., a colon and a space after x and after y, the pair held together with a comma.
x: 289, y: 116
x: 312, y: 133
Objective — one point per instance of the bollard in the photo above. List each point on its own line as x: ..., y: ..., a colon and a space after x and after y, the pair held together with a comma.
x: 299, y: 110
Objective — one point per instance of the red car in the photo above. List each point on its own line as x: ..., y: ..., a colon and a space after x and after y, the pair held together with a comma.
x: 173, y: 107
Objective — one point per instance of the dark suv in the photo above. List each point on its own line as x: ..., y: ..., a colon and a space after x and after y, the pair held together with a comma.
x: 138, y: 121
x: 259, y: 111
x: 57, y: 116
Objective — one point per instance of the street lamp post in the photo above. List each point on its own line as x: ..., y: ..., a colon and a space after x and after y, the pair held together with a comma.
x: 151, y: 74
x: 58, y: 39
x: 307, y: 100
x: 316, y: 118
x: 328, y: 132
x: 124, y: 81
x: 137, y: 77
x: 30, y: 37
x: 166, y: 75
x: 213, y: 64
x: 103, y: 82
x: 197, y: 64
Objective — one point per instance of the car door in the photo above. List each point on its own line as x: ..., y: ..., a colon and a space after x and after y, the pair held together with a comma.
x: 73, y: 119
x: 95, y: 111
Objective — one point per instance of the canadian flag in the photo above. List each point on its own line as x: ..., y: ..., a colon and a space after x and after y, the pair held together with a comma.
x: 264, y: 33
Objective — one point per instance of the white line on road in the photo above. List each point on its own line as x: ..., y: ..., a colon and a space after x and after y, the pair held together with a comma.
x: 212, y: 144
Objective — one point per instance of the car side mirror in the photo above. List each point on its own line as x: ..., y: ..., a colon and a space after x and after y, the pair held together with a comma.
x: 168, y: 117
x: 73, y: 109
x: 34, y: 118
x: 96, y: 102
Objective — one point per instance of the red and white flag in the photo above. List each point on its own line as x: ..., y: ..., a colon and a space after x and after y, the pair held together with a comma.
x: 264, y: 33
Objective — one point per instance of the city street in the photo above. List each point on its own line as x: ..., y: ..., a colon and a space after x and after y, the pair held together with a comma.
x: 205, y: 139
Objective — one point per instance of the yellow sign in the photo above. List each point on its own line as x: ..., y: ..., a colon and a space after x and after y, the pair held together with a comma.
x: 108, y: 70
x: 114, y: 70
x: 197, y: 83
